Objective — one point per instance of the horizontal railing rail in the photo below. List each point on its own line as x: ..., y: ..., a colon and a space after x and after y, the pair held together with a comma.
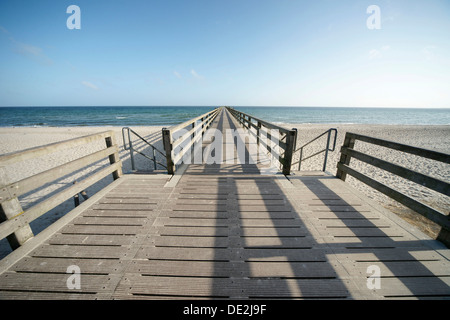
x: 348, y: 152
x: 325, y: 150
x: 128, y: 145
x: 179, y: 138
x: 14, y: 220
x: 286, y: 139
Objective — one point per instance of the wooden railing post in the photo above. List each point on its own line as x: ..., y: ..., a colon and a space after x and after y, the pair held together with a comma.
x: 9, y: 209
x: 291, y: 137
x: 113, y: 158
x: 258, y: 130
x: 349, y: 142
x: 444, y: 236
x: 167, y: 141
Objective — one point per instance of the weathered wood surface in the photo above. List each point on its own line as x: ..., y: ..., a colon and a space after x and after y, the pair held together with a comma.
x: 228, y: 231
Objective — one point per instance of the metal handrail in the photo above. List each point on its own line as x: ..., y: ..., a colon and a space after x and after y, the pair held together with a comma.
x: 130, y: 147
x: 326, y: 150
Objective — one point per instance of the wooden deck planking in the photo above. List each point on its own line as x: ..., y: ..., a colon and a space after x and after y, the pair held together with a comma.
x: 226, y: 231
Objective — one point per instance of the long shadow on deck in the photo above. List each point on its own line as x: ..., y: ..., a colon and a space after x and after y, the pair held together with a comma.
x: 408, y: 268
x: 275, y: 256
x: 271, y: 251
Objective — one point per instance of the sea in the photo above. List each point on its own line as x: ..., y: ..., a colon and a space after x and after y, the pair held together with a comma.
x: 167, y: 115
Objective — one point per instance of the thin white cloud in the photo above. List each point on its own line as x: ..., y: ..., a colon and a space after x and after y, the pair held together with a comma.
x: 195, y: 74
x: 378, y: 53
x: 374, y: 53
x: 177, y: 75
x: 89, y: 85
x: 27, y: 50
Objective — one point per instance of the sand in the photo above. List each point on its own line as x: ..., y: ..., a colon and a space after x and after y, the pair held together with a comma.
x: 429, y: 137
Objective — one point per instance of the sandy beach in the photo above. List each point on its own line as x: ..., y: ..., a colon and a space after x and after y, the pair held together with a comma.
x: 429, y: 137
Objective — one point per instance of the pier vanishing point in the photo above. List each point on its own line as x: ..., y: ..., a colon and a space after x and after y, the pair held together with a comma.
x: 236, y: 229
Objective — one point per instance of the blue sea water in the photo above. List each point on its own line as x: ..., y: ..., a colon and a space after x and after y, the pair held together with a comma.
x: 167, y: 116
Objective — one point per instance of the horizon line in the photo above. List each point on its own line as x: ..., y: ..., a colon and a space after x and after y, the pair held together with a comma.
x: 216, y: 106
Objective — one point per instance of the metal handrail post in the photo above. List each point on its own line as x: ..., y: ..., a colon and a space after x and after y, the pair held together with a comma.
x: 130, y: 144
x: 154, y: 158
x: 326, y: 151
x: 301, y: 158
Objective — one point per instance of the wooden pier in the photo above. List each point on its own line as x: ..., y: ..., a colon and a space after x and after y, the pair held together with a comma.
x: 227, y: 231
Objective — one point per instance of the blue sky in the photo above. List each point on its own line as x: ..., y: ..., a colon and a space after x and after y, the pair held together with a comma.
x: 213, y: 52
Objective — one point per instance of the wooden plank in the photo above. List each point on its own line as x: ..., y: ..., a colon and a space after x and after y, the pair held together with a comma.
x: 95, y: 229
x: 80, y: 251
x: 332, y: 202
x: 277, y: 232
x: 119, y: 221
x: 391, y: 254
x: 356, y: 223
x: 191, y: 222
x: 194, y: 214
x: 124, y: 206
x: 264, y: 208
x: 210, y: 202
x: 293, y: 288
x: 177, y: 286
x: 365, y: 232
x: 287, y: 243
x: 195, y: 254
x: 53, y: 282
x: 407, y: 268
x: 346, y: 215
x: 184, y: 268
x: 35, y: 152
x: 190, y: 242
x: 199, y: 207
x: 415, y: 287
x: 91, y: 239
x: 192, y: 231
x: 369, y: 243
x: 286, y: 270
x: 139, y: 191
x: 279, y: 254
x: 120, y: 213
x: 130, y: 193
x: 60, y: 265
x: 267, y: 215
x: 275, y: 223
x: 318, y: 208
x: 34, y: 295
x: 128, y: 200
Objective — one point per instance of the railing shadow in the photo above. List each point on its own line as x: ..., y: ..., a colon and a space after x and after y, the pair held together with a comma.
x: 278, y: 258
x: 271, y: 249
x: 401, y: 259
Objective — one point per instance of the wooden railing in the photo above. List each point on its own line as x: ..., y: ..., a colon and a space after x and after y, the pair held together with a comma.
x: 14, y: 220
x: 179, y: 139
x: 286, y: 139
x: 348, y: 152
